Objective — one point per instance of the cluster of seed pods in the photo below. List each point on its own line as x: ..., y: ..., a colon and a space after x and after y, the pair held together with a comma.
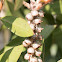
x: 34, y: 20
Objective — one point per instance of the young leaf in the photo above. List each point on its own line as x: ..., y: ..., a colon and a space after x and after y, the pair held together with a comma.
x: 18, y: 26
x: 11, y: 54
x: 47, y: 30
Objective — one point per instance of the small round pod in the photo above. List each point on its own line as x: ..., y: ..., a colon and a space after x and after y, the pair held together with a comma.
x: 39, y: 60
x: 32, y: 26
x: 30, y: 50
x: 28, y: 42
x: 41, y: 14
x: 37, y: 21
x: 27, y: 56
x: 38, y: 29
x: 33, y: 59
x: 39, y: 6
x: 29, y: 16
x: 38, y: 53
x: 34, y: 13
x: 36, y: 45
x: 24, y: 44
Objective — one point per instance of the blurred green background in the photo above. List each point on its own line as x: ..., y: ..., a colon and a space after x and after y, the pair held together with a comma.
x: 52, y: 33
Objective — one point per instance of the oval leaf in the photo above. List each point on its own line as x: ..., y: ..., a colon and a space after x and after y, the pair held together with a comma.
x: 18, y: 26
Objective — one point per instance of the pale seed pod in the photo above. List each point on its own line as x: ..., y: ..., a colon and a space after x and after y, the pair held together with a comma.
x: 41, y: 14
x: 39, y: 6
x: 33, y: 59
x: 37, y: 21
x: 29, y: 17
x: 27, y: 41
x: 39, y: 60
x: 30, y: 50
x: 38, y: 52
x: 36, y: 45
x: 32, y: 26
x: 39, y: 29
x: 34, y: 13
x: 24, y: 44
x: 27, y: 56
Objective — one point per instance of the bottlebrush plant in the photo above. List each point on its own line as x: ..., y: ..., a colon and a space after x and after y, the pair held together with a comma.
x: 35, y: 30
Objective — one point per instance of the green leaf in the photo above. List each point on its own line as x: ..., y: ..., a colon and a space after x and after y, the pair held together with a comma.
x: 53, y: 8
x: 11, y: 54
x: 13, y: 12
x: 18, y: 26
x: 57, y: 36
x: 48, y: 29
x: 18, y: 4
x: 60, y: 60
x: 60, y: 1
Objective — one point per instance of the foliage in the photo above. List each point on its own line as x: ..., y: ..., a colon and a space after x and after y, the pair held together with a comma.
x: 52, y: 33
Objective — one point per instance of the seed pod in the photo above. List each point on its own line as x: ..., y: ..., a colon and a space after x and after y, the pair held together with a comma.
x: 39, y: 6
x: 27, y: 56
x: 1, y: 5
x: 36, y: 45
x: 34, y: 13
x: 32, y: 26
x: 41, y: 14
x: 37, y: 21
x: 33, y: 59
x: 38, y: 52
x: 38, y: 29
x: 39, y: 60
x: 29, y: 17
x: 24, y: 44
x: 30, y: 50
x: 27, y: 41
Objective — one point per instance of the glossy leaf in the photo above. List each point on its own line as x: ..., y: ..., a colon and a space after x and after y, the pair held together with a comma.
x: 48, y: 29
x: 18, y: 26
x: 13, y: 12
x: 11, y: 54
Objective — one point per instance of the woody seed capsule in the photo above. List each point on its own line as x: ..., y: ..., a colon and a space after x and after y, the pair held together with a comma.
x: 41, y: 14
x: 33, y: 59
x: 34, y: 13
x: 27, y: 56
x: 37, y: 21
x: 39, y: 5
x: 24, y: 44
x: 27, y: 41
x: 38, y: 52
x: 32, y: 26
x: 29, y: 17
x: 36, y: 45
x: 30, y: 50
